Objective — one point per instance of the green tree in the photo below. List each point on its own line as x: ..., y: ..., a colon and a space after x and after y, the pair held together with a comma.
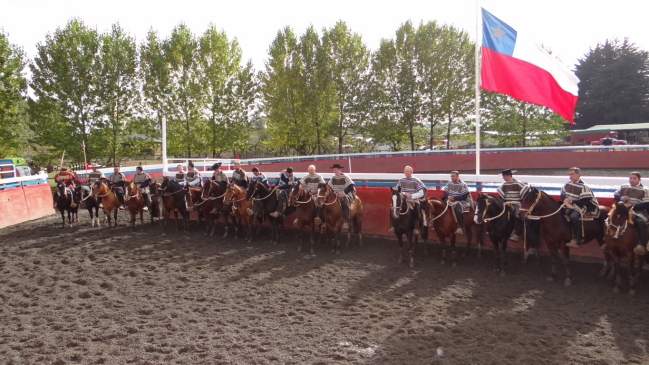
x: 349, y: 61
x: 13, y: 89
x: 614, y: 85
x: 64, y: 81
x: 154, y: 78
x: 118, y: 92
x: 186, y: 125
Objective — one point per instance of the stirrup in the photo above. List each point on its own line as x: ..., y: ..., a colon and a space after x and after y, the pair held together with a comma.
x: 295, y: 222
x: 249, y: 211
x: 274, y: 214
x: 345, y: 225
x: 189, y: 208
x: 415, y: 232
x: 145, y: 209
x: 214, y: 211
x: 317, y: 221
x: 459, y: 231
x: 391, y: 230
x: 639, y: 250
x: 603, y: 247
x: 513, y: 237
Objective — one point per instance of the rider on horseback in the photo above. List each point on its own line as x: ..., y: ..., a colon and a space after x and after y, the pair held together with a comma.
x: 575, y: 192
x: 285, y: 182
x: 261, y: 178
x: 68, y: 178
x: 180, y: 175
x: 457, y: 192
x: 413, y: 189
x: 116, y: 181
x: 94, y: 176
x: 142, y: 180
x: 192, y: 179
x: 220, y: 178
x: 239, y: 178
x: 512, y: 191
x: 343, y: 186
x: 637, y: 195
x: 310, y: 183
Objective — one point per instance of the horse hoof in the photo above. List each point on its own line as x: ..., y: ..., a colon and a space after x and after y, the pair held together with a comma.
x: 479, y: 255
x: 616, y: 289
x: 412, y: 264
x: 454, y: 264
x: 443, y: 262
x: 550, y: 278
x: 503, y: 273
x: 312, y: 251
x: 632, y: 292
x: 568, y: 282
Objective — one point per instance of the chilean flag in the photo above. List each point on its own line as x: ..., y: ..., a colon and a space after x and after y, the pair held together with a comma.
x: 515, y: 65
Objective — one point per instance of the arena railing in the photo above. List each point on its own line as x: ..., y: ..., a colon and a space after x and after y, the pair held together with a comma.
x: 15, y: 182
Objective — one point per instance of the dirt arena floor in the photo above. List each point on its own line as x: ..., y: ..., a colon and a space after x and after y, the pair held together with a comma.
x: 93, y: 296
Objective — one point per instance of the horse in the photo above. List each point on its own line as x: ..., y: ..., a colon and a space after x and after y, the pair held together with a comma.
x: 204, y: 203
x: 134, y: 202
x: 492, y: 211
x: 89, y: 202
x: 217, y: 191
x: 108, y: 199
x: 155, y: 210
x: 333, y: 216
x: 237, y: 194
x: 556, y: 230
x: 64, y: 203
x: 173, y: 200
x: 620, y: 240
x: 306, y: 211
x: 269, y: 201
x: 194, y: 197
x: 402, y: 216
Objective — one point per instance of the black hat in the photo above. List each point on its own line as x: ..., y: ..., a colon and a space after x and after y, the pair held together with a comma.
x: 215, y: 166
x: 190, y: 164
x: 507, y: 172
x: 337, y: 166
x: 139, y: 168
x: 289, y: 169
x: 255, y: 169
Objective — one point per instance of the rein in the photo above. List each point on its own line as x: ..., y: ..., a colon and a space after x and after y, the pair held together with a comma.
x: 308, y: 198
x: 403, y: 200
x: 619, y: 229
x: 441, y: 214
x: 109, y: 191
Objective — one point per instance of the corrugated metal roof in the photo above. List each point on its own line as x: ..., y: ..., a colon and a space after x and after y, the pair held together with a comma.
x: 613, y: 127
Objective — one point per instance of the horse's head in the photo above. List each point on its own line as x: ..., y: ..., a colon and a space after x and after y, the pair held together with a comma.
x: 618, y: 220
x: 165, y: 184
x: 205, y: 188
x: 530, y: 200
x: 232, y: 191
x: 323, y: 193
x: 252, y: 189
x: 295, y: 193
x: 481, y: 205
x: 60, y: 188
x: 99, y: 187
x: 397, y: 200
x: 130, y: 190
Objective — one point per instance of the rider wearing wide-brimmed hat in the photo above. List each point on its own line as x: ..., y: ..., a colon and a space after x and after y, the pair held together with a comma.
x: 116, y: 182
x: 637, y: 195
x: 95, y: 175
x: 513, y: 191
x: 66, y: 177
x: 344, y: 188
x: 285, y: 182
x: 219, y: 177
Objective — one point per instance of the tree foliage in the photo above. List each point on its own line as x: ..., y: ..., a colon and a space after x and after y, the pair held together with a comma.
x: 614, y: 85
x: 13, y: 88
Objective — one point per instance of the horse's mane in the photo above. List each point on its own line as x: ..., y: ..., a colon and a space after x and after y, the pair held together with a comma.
x: 620, y: 209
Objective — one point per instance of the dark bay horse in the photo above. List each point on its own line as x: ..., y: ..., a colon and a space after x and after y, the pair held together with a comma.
x: 333, y: 216
x: 402, y: 216
x: 90, y: 203
x: 237, y: 194
x: 64, y: 204
x: 204, y: 203
x: 194, y: 195
x: 267, y: 198
x: 173, y: 200
x: 556, y: 230
x: 306, y: 212
x: 621, y: 237
x: 108, y: 199
x: 440, y: 214
x: 217, y: 191
x: 492, y: 211
x: 155, y: 209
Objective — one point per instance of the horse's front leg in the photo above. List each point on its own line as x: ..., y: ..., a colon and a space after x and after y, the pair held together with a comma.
x: 442, y: 241
x: 633, y: 269
x: 400, y: 238
x: 337, y: 238
x: 453, y: 250
x: 469, y: 236
x: 411, y: 251
x: 495, y: 242
x: 566, y: 264
x: 606, y: 267
x: 503, y: 255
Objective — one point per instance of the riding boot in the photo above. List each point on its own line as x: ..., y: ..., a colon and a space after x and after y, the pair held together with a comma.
x: 346, y: 215
x: 460, y: 220
x: 147, y: 201
x: 415, y: 232
x: 391, y: 230
x: 576, y: 234
x: 188, y: 201
x: 281, y: 206
x: 641, y: 228
x: 234, y: 209
x: 255, y: 208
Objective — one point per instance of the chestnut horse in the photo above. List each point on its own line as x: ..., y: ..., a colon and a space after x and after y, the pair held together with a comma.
x: 402, y: 216
x: 204, y: 203
x: 237, y: 194
x: 621, y: 237
x: 155, y: 210
x: 306, y: 212
x: 333, y: 216
x: 556, y: 230
x: 108, y: 199
x: 134, y: 202
x: 440, y: 213
x: 194, y: 196
x: 64, y: 203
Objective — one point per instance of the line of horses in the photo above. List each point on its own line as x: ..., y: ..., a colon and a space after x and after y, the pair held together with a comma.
x: 235, y: 207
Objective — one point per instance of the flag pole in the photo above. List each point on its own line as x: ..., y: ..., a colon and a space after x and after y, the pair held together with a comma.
x: 478, y: 42
x: 163, y: 127
x: 85, y: 160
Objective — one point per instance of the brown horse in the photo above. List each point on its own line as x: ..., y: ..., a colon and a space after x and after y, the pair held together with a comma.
x: 621, y: 237
x: 237, y: 194
x: 155, y: 202
x: 402, y: 219
x: 217, y: 191
x: 556, y: 230
x: 193, y: 197
x: 108, y: 199
x: 306, y: 212
x: 134, y: 202
x: 64, y: 203
x: 440, y: 214
x: 173, y: 200
x: 333, y: 216
x: 204, y: 203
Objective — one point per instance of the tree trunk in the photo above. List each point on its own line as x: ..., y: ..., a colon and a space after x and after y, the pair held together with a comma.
x: 448, y: 132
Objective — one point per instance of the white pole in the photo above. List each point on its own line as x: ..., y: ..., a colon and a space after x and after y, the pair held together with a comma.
x: 349, y: 161
x: 163, y: 126
x: 478, y: 43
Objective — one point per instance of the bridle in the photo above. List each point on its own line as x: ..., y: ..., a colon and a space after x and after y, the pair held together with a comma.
x: 327, y: 194
x: 300, y: 191
x: 252, y: 197
x: 110, y: 190
x: 398, y: 209
x: 128, y: 196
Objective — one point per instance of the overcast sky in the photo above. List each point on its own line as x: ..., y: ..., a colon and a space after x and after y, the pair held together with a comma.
x: 569, y: 28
